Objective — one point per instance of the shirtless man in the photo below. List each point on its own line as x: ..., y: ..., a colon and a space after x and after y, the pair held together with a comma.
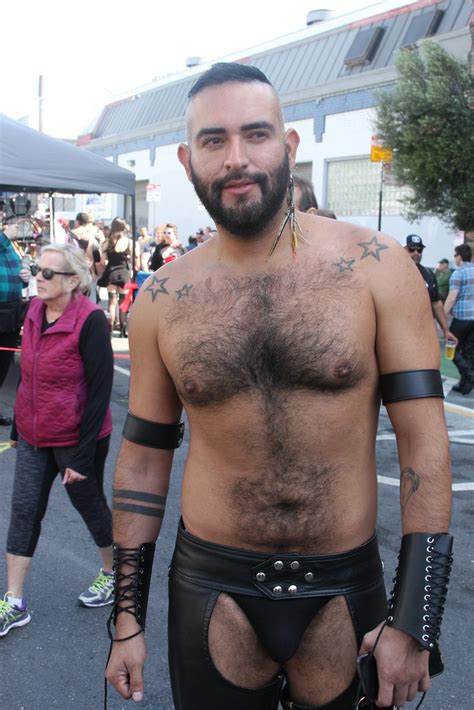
x: 276, y: 579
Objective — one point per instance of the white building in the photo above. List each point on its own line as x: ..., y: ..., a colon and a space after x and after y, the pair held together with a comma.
x: 326, y: 75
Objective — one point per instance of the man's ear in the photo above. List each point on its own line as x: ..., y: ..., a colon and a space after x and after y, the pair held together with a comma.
x: 184, y: 156
x: 312, y: 210
x: 292, y: 141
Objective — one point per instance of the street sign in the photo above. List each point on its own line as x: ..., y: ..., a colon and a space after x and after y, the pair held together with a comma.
x: 380, y: 153
x: 153, y: 192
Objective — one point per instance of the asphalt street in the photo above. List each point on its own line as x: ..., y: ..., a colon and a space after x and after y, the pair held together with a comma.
x: 57, y: 660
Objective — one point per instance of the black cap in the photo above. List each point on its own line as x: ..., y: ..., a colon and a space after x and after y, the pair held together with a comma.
x: 413, y: 240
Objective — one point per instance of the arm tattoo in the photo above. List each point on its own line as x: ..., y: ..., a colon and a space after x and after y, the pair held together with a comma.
x: 183, y: 291
x: 139, y: 509
x: 409, y: 484
x: 157, y: 286
x: 344, y: 264
x: 372, y: 248
x: 155, y: 505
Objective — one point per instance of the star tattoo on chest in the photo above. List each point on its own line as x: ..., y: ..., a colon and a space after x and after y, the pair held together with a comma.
x: 183, y: 291
x: 157, y: 286
x: 344, y: 264
x: 372, y: 248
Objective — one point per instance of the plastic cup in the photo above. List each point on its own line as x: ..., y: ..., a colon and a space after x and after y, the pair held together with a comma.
x: 449, y: 349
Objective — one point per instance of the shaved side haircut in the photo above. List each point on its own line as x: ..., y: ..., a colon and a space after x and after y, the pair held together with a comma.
x: 225, y: 72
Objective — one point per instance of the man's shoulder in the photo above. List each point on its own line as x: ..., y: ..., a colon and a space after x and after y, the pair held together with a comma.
x: 356, y: 248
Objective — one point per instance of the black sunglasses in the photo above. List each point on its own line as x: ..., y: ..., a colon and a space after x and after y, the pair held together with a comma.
x: 49, y: 274
x: 418, y: 249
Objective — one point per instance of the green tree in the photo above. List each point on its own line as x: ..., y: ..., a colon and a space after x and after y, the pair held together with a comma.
x: 427, y: 121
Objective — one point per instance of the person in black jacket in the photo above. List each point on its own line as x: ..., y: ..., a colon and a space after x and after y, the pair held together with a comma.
x: 414, y: 246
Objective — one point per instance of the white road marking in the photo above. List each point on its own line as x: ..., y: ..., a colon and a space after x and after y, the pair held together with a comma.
x: 122, y: 370
x: 388, y: 481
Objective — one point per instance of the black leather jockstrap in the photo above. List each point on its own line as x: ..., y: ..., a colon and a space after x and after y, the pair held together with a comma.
x: 279, y: 593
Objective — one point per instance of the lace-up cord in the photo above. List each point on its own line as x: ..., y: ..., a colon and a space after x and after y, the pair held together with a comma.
x: 438, y: 570
x: 126, y: 589
x: 6, y: 607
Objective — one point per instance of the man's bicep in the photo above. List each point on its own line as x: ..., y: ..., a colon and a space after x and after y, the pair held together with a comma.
x: 152, y: 392
x: 406, y: 335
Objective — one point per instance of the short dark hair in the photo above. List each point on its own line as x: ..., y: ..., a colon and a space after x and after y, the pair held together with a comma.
x: 308, y: 198
x: 464, y: 251
x: 82, y: 218
x: 444, y: 261
x: 224, y: 72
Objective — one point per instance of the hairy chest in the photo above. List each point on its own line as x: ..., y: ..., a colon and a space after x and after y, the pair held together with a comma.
x: 267, y: 334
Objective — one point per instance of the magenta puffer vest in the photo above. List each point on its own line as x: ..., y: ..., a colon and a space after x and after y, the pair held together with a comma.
x: 51, y: 399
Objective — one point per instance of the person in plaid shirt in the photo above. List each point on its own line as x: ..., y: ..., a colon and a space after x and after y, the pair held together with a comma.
x: 461, y: 300
x: 12, y: 280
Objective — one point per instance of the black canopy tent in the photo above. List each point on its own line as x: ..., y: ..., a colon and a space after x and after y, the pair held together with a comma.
x: 34, y: 162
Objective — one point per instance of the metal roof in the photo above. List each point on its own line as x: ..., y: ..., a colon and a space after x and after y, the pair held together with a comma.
x: 301, y: 67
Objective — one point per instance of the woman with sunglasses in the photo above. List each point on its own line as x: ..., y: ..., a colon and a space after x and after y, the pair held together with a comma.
x: 62, y: 422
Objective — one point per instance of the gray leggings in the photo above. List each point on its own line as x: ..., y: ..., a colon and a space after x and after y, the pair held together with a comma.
x: 35, y: 472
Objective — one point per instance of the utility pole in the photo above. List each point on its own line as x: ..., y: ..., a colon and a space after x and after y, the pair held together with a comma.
x: 40, y: 103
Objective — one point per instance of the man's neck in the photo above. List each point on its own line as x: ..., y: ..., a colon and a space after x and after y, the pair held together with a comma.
x: 253, y: 249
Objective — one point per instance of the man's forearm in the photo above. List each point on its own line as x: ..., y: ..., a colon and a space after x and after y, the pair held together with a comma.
x: 425, y: 485
x: 440, y: 315
x: 139, y: 493
x: 138, y: 505
x: 449, y: 303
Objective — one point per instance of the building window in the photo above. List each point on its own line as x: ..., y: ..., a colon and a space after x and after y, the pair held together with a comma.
x: 364, y: 46
x: 353, y: 188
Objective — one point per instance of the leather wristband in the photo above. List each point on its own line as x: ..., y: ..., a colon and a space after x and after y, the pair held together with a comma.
x: 132, y: 569
x: 421, y: 585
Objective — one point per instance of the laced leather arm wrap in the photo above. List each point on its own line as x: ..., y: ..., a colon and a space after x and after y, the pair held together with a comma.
x: 410, y: 384
x: 153, y: 434
x: 132, y: 570
x: 421, y: 585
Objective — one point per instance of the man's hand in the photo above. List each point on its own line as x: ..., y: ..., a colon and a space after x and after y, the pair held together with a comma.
x: 25, y: 275
x: 71, y: 476
x: 13, y: 444
x: 450, y: 336
x: 402, y: 668
x: 125, y: 667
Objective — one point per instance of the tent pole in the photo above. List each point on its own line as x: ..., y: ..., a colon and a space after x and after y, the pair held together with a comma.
x: 134, y: 241
x: 52, y: 235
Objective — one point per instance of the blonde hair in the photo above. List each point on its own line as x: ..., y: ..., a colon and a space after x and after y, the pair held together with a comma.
x: 75, y: 261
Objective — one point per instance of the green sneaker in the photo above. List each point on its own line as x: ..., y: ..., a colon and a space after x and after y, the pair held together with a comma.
x: 101, y: 591
x: 11, y: 615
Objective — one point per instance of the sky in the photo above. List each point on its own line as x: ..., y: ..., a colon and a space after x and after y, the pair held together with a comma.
x: 90, y: 51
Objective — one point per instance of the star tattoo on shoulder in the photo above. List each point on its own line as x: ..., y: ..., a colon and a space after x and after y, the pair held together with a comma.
x: 372, y: 248
x: 183, y: 291
x: 344, y: 264
x: 157, y: 286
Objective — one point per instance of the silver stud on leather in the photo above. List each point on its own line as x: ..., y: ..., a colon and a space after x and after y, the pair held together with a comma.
x: 278, y: 565
x: 292, y: 589
x: 277, y: 589
x: 309, y: 576
x: 261, y: 576
x: 295, y: 565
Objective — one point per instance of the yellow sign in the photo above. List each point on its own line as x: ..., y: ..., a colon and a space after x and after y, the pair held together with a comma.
x: 380, y: 153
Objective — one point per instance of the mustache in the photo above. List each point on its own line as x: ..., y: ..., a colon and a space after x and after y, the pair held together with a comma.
x: 259, y: 178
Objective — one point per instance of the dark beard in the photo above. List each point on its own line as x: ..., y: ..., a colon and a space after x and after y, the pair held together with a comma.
x: 245, y: 220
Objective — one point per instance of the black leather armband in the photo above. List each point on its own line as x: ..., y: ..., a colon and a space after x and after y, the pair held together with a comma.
x: 411, y: 384
x: 153, y: 434
x: 132, y: 571
x: 421, y: 586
